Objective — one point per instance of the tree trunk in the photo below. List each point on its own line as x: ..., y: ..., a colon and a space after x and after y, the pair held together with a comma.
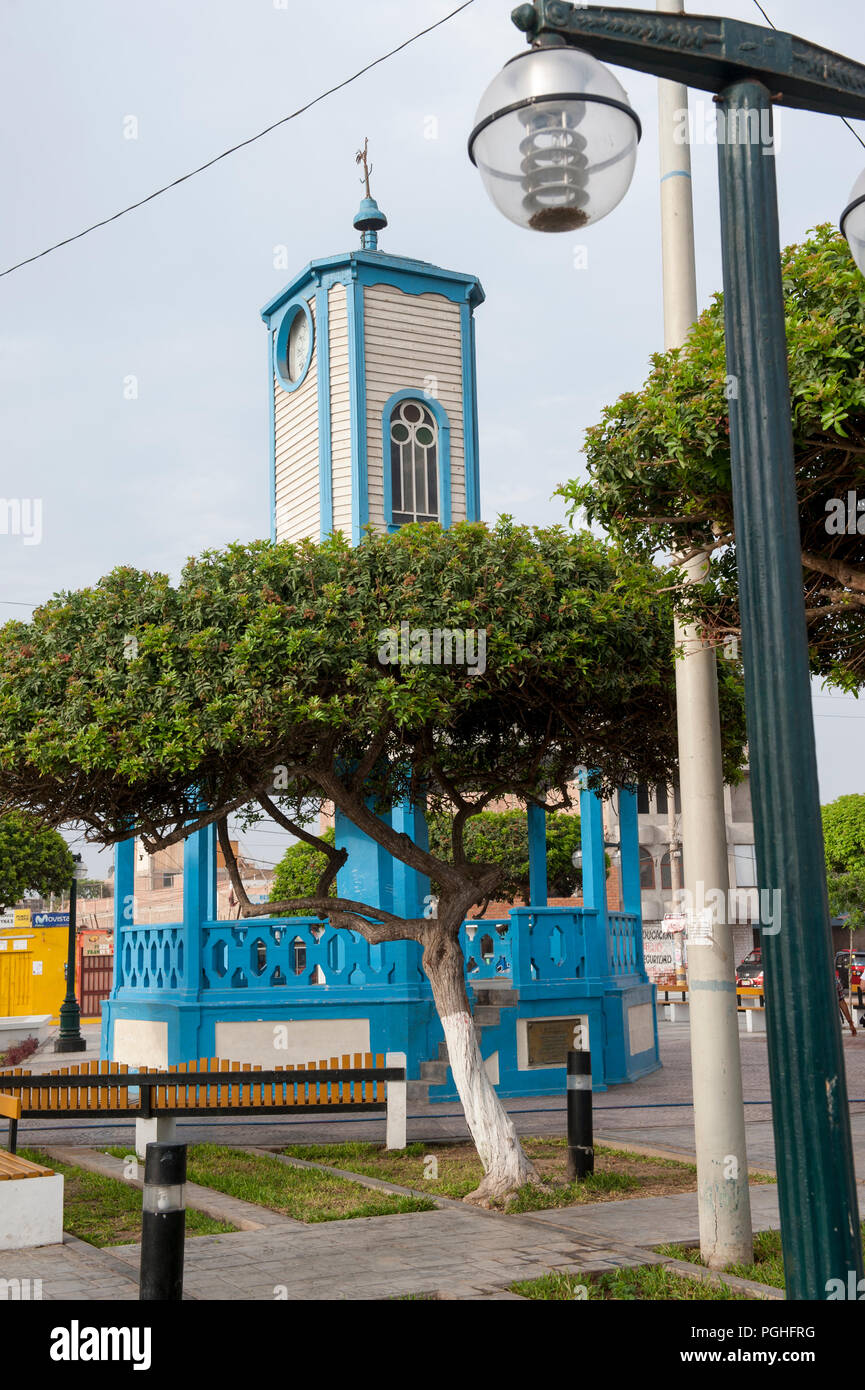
x: 506, y: 1167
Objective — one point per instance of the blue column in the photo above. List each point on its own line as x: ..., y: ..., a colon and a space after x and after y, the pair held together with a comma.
x: 367, y: 875
x: 124, y: 916
x: 208, y: 837
x: 371, y: 875
x: 124, y: 901
x: 411, y: 889
x: 197, y: 863
x: 594, y: 881
x: 124, y: 886
x: 537, y: 818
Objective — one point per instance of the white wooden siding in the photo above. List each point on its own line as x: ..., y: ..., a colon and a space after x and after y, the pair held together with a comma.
x: 340, y: 409
x: 296, y: 445
x: 409, y: 339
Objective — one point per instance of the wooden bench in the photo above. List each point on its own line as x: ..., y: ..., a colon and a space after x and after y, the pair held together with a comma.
x: 31, y: 1214
x: 210, y: 1086
x: 754, y: 1011
x: 10, y: 1109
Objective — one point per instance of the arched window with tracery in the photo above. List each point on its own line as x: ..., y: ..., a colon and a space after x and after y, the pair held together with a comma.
x: 414, y: 464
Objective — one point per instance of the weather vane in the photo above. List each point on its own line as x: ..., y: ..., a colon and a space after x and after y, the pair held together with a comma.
x: 361, y: 158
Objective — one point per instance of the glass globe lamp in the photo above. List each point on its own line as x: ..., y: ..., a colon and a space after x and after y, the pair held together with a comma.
x: 555, y: 140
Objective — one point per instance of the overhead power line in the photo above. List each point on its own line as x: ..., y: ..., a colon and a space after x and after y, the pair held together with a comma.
x: 241, y: 144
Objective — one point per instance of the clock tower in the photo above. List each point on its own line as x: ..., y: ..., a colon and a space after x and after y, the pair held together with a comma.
x: 372, y: 388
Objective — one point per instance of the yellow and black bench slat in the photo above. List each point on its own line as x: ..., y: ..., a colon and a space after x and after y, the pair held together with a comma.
x: 202, y: 1087
x: 12, y: 1167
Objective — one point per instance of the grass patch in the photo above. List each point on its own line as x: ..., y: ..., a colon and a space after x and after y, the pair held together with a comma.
x: 767, y: 1266
x: 107, y: 1211
x: 303, y: 1193
x: 453, y: 1170
x: 648, y: 1282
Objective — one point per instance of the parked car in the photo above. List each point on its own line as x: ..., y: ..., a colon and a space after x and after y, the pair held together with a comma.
x: 843, y: 968
x: 750, y: 972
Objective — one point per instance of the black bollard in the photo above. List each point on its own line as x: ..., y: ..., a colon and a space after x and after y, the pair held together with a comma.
x: 163, y: 1224
x: 581, y: 1153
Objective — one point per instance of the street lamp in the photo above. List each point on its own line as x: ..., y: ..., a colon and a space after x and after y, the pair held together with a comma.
x: 748, y: 69
x: 853, y: 222
x: 69, y: 1038
x: 555, y: 140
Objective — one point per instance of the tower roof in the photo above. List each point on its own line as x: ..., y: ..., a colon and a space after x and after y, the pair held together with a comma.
x: 376, y: 267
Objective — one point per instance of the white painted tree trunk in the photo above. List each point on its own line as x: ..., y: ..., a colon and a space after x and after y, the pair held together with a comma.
x: 505, y: 1165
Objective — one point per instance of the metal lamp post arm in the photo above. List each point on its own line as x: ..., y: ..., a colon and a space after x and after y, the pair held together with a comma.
x: 708, y: 52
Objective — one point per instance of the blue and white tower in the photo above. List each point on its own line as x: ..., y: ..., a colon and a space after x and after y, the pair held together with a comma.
x: 373, y: 393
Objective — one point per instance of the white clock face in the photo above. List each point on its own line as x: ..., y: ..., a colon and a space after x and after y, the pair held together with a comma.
x: 298, y: 346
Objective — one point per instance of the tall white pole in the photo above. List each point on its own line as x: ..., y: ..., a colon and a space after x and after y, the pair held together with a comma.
x: 719, y: 1117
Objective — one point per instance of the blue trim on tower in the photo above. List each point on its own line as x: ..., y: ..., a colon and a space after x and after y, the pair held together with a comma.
x: 325, y: 462
x: 357, y: 412
x: 282, y: 343
x: 444, y: 453
x: 470, y: 414
x: 271, y: 421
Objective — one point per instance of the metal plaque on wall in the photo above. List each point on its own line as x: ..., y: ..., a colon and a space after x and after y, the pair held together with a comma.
x: 550, y: 1040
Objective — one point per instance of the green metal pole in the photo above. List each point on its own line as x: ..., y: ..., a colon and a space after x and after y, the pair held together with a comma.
x: 70, y: 1039
x: 816, y: 1182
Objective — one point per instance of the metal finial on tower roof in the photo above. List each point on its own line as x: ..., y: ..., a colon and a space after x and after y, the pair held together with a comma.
x: 369, y: 219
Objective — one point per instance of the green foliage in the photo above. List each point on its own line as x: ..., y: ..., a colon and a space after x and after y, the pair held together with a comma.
x: 299, y: 870
x: 659, y: 460
x: 844, y: 834
x: 33, y: 859
x: 502, y: 837
x: 127, y: 705
x: 847, y: 897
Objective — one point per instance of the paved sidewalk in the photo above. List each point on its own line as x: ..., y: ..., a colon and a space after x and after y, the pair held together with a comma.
x: 458, y: 1250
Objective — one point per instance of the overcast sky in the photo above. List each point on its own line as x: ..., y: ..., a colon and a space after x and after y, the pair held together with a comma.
x: 170, y: 295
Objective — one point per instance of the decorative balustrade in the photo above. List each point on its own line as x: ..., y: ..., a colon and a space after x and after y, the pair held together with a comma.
x: 534, y: 946
x: 152, y: 957
x: 487, y: 944
x: 625, y: 943
x: 550, y: 944
x: 293, y: 953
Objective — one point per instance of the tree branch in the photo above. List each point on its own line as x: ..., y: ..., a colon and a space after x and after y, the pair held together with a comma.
x: 153, y: 841
x: 848, y: 575
x: 374, y: 924
x: 231, y: 863
x: 401, y: 846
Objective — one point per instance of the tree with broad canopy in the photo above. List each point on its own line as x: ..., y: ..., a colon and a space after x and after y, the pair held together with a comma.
x: 659, y: 460
x: 257, y: 682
